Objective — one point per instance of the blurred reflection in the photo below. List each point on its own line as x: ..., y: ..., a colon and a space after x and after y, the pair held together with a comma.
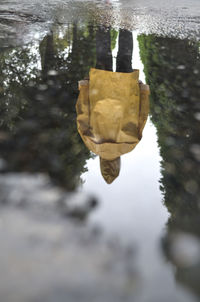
x: 38, y: 91
x: 172, y: 69
x: 112, y: 107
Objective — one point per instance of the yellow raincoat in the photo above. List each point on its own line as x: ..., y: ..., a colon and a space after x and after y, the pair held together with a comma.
x: 112, y: 110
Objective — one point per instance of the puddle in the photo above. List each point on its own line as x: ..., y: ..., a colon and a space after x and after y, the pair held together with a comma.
x: 141, y: 232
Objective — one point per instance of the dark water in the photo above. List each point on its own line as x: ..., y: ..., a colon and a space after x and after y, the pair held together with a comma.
x: 154, y: 204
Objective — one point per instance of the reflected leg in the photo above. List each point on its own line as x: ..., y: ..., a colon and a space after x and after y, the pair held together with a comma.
x: 103, y: 49
x: 125, y: 52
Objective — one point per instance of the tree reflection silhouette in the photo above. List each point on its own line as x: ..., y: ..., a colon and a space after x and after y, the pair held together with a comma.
x: 172, y: 70
x: 38, y: 120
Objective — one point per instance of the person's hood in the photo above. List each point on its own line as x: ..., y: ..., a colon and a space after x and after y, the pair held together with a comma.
x: 110, y: 169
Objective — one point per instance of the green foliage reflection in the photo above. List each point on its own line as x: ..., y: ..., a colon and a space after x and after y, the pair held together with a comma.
x: 172, y: 69
x: 38, y: 96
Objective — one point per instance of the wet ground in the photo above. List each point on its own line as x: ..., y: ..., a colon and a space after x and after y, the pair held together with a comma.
x: 66, y: 234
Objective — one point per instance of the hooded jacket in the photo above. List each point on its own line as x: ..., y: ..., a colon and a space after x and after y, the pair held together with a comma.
x: 112, y: 109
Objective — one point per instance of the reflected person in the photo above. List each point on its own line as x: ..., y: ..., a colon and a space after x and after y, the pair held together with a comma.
x: 112, y: 107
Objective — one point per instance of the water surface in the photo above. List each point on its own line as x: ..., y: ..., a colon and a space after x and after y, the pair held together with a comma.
x: 153, y: 206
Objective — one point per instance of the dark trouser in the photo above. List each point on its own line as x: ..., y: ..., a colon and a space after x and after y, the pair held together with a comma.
x: 103, y: 49
x: 125, y: 51
x: 104, y: 54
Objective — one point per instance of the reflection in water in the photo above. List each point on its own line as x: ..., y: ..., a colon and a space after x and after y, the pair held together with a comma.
x: 172, y: 69
x: 110, y: 169
x: 112, y: 107
x: 38, y: 119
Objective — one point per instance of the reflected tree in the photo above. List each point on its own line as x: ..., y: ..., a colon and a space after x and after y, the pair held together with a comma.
x: 41, y: 136
x: 18, y: 67
x: 172, y: 69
